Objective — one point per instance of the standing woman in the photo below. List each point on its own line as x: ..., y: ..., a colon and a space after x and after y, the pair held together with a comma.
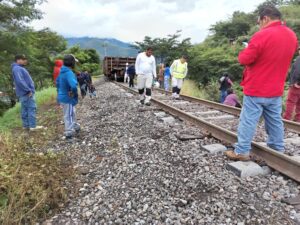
x: 161, y: 76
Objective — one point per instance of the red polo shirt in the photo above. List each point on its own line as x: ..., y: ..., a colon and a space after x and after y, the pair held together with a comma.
x: 267, y: 59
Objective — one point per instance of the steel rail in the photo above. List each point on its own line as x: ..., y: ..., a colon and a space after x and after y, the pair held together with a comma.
x: 278, y: 161
x: 291, y: 125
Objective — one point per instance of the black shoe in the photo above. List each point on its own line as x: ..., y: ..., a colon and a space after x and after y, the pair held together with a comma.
x: 142, y: 102
x: 68, y: 138
x: 148, y: 104
x: 78, y: 130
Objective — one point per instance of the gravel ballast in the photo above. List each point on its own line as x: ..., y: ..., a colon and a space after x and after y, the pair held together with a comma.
x: 133, y: 169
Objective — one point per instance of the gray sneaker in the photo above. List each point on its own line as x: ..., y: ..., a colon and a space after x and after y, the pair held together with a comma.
x: 36, y: 128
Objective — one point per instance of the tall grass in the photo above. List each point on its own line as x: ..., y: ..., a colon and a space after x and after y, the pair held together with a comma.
x: 12, y: 118
x: 191, y: 88
x: 31, y: 183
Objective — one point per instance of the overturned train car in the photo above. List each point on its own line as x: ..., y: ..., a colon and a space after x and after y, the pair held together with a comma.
x: 114, y: 67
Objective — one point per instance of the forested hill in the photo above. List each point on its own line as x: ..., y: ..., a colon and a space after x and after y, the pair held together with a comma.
x: 114, y: 47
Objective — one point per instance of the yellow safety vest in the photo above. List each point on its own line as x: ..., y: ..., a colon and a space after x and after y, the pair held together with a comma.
x: 179, y: 70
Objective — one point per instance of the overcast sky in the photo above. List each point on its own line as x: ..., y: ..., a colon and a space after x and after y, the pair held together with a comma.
x: 131, y: 20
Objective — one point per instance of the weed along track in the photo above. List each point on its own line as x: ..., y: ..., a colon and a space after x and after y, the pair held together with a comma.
x: 140, y: 165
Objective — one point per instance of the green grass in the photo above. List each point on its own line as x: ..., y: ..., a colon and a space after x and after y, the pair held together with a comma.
x: 12, y: 118
x: 31, y: 184
x: 192, y: 89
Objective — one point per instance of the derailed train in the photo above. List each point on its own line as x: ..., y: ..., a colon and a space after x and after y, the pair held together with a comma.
x: 114, y: 68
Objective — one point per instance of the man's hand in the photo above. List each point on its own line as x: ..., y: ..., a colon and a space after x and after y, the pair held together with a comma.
x: 29, y: 94
x: 296, y: 85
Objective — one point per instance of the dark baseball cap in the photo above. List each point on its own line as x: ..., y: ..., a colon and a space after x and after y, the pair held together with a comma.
x: 20, y: 56
x: 70, y: 60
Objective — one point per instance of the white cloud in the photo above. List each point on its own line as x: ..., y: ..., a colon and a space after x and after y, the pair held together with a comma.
x: 131, y: 20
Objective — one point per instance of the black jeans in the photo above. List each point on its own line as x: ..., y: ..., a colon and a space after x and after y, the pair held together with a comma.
x: 131, y: 84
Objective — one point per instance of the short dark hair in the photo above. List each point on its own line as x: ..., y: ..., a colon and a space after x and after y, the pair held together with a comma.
x: 149, y: 48
x: 20, y: 56
x: 229, y: 91
x: 184, y: 57
x: 167, y: 65
x: 270, y: 11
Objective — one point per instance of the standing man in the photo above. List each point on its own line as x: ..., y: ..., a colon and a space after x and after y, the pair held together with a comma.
x: 266, y: 59
x: 66, y: 84
x: 293, y: 99
x: 131, y: 74
x: 25, y: 92
x: 225, y: 84
x: 145, y: 68
x: 179, y: 71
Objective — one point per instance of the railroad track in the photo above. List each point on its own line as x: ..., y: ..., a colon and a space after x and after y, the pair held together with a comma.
x: 293, y: 126
x: 199, y: 112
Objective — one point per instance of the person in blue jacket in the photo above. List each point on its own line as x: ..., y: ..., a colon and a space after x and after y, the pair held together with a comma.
x: 25, y: 91
x: 67, y: 96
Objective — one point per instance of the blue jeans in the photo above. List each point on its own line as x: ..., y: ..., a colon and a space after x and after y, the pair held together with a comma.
x: 253, y: 109
x: 166, y: 83
x: 28, y: 111
x: 223, y: 95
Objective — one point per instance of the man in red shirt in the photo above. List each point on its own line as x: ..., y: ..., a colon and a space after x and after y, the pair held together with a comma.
x: 266, y: 59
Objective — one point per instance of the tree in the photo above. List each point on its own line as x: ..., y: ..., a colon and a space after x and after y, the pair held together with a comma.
x: 166, y: 49
x: 16, y: 13
x: 16, y: 38
x: 238, y: 25
x: 89, y: 59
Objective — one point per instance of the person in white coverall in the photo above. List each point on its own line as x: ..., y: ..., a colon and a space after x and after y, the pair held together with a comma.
x: 126, y: 74
x: 145, y: 68
x: 179, y: 71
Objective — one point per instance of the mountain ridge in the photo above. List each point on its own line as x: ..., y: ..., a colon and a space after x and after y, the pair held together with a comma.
x: 104, y: 46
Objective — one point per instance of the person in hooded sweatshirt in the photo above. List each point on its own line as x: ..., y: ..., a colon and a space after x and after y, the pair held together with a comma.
x: 57, y: 67
x: 66, y: 84
x: 25, y: 91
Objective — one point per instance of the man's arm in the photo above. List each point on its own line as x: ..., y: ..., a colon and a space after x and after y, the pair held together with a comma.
x: 154, y: 68
x: 186, y: 70
x: 72, y: 81
x: 137, y: 64
x: 229, y: 81
x: 249, y: 55
x: 20, y: 81
x: 172, y: 67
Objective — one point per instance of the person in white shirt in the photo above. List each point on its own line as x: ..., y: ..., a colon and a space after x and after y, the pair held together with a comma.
x: 126, y: 74
x: 145, y: 68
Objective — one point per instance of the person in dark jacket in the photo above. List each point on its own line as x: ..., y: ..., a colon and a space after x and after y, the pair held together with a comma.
x: 82, y: 80
x: 25, y: 91
x: 293, y: 99
x: 66, y: 84
x: 131, y: 75
x: 225, y: 84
